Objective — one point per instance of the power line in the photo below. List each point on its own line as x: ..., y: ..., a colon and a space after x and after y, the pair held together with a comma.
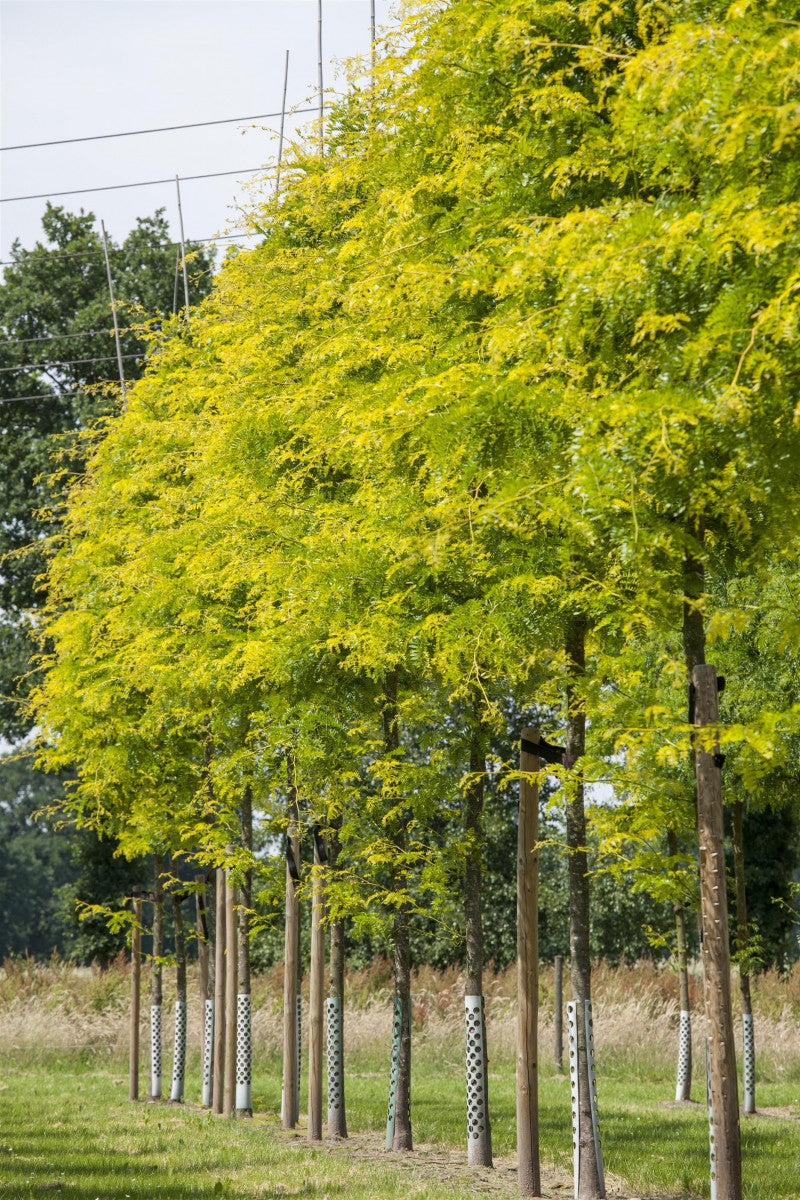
x: 39, y: 396
x: 49, y: 337
x: 69, y: 362
x: 115, y: 187
x: 49, y: 256
x: 99, y: 137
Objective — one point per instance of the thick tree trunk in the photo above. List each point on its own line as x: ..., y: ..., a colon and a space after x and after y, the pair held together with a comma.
x: 219, y: 993
x: 291, y: 959
x: 179, y: 1052
x: 479, y: 1130
x: 401, y: 952
x: 337, y: 1113
x: 231, y: 990
x: 244, y: 1042
x: 588, y: 1184
x: 683, y: 1086
x: 742, y: 942
x: 156, y: 992
x: 316, y: 1002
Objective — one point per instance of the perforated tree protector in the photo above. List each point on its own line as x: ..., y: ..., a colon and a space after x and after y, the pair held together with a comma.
x: 155, y: 1051
x: 394, y: 1067
x: 335, y: 1055
x: 598, y: 1144
x: 208, y: 1054
x: 179, y: 1054
x: 683, y: 1086
x: 712, y: 1144
x: 572, y: 1028
x: 244, y: 1054
x: 478, y: 1132
x: 299, y: 1055
x: 749, y: 1063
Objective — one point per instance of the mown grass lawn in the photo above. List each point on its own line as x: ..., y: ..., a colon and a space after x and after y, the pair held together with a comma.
x: 67, y: 1129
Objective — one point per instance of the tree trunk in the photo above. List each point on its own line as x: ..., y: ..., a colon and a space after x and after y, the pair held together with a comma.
x: 337, y: 1115
x: 716, y: 953
x: 316, y: 1001
x: 588, y: 1183
x: 156, y: 995
x: 205, y: 952
x: 401, y: 951
x: 558, y: 1012
x: 683, y: 1086
x: 231, y: 989
x: 742, y: 946
x: 244, y: 1039
x: 179, y: 1053
x: 291, y: 958
x: 219, y: 992
x: 479, y: 1130
x: 527, y: 1073
x: 136, y: 986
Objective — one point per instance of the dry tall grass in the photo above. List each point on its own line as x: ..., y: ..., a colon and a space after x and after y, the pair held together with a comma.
x: 60, y: 1008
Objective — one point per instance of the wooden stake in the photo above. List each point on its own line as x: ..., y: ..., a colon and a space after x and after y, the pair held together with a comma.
x: 528, y: 1172
x: 715, y: 948
x: 558, y: 1011
x: 219, y: 994
x: 316, y: 1001
x: 291, y: 959
x: 136, y: 992
x: 231, y: 988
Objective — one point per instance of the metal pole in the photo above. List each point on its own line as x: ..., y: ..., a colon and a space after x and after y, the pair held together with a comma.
x: 319, y: 67
x: 114, y: 318
x: 283, y: 123
x: 183, y: 250
x: 136, y: 986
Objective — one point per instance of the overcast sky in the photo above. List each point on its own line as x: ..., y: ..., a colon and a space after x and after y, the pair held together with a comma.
x: 70, y: 68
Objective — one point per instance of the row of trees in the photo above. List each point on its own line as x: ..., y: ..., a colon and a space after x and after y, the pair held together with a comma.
x: 501, y: 412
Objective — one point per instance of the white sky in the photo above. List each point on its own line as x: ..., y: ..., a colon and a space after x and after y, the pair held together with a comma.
x: 70, y: 68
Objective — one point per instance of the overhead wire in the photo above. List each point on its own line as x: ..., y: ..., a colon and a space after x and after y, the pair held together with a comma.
x: 67, y: 362
x: 50, y: 255
x: 99, y: 137
x: 116, y: 187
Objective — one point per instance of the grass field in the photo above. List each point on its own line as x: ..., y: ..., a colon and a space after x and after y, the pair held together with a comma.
x: 66, y: 1127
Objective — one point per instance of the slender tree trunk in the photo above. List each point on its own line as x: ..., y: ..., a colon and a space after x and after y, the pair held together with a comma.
x: 136, y: 987
x: 244, y: 1040
x: 683, y: 1086
x: 156, y: 992
x: 231, y: 989
x: 179, y: 1052
x: 479, y: 1130
x: 337, y: 1114
x: 219, y: 993
x: 558, y: 1012
x: 715, y: 949
x: 579, y: 920
x: 527, y: 1071
x: 291, y: 958
x: 742, y: 945
x: 401, y: 951
x: 316, y: 1001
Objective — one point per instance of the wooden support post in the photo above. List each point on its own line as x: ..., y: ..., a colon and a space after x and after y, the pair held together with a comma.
x: 231, y: 988
x: 291, y: 960
x: 136, y: 993
x: 219, y: 994
x: 528, y: 1171
x: 316, y: 1000
x: 558, y: 1012
x: 715, y: 948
